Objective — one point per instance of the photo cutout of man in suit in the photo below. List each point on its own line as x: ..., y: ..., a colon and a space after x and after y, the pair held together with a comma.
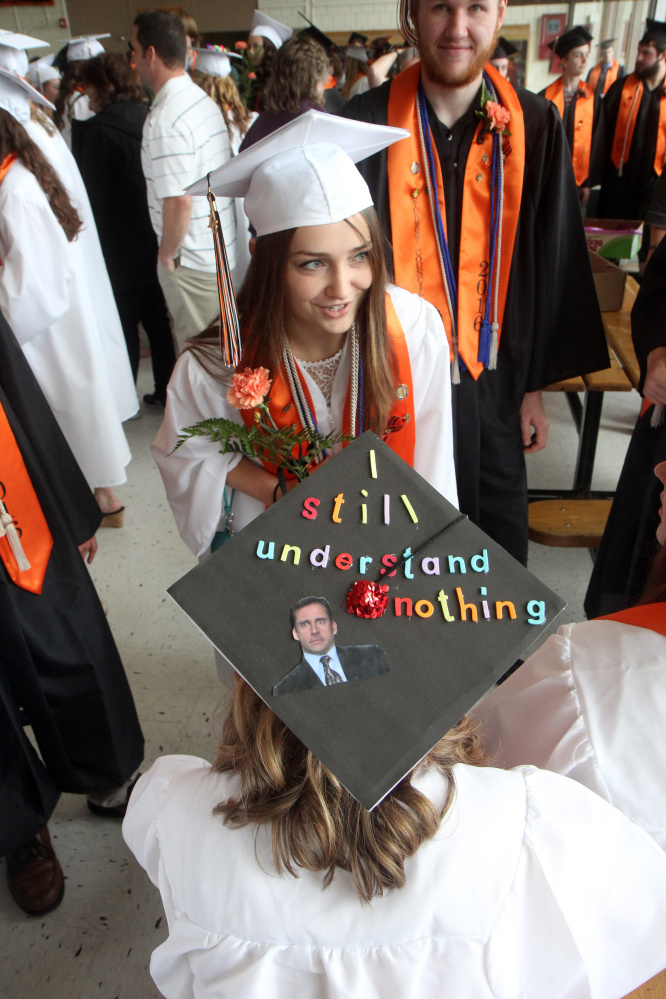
x: 324, y: 662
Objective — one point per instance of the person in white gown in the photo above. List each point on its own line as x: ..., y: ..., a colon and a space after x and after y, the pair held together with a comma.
x: 465, y: 881
x: 43, y: 297
x: 590, y: 703
x: 73, y: 104
x: 317, y: 273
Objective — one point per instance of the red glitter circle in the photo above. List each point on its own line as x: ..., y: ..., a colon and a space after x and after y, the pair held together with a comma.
x: 367, y: 599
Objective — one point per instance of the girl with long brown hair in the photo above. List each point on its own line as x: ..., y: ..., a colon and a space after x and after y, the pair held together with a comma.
x: 345, y: 351
x: 47, y: 301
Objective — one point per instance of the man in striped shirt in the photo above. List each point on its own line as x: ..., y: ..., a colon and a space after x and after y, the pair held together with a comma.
x: 184, y: 138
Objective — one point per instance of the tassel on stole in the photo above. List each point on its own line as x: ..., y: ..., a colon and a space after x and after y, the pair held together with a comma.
x: 8, y: 529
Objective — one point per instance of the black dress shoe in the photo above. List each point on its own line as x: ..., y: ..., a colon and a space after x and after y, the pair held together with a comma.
x: 152, y: 400
x: 34, y: 875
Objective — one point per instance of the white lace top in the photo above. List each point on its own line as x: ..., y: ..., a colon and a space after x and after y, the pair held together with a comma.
x: 323, y: 373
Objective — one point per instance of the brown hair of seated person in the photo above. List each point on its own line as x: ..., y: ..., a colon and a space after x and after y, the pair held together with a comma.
x: 299, y: 65
x: 316, y: 824
x: 354, y: 69
x: 15, y: 139
x: 112, y: 79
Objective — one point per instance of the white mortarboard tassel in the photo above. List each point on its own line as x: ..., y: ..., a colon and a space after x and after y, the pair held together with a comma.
x: 268, y: 27
x: 16, y: 94
x: 214, y: 61
x: 87, y: 47
x: 303, y: 173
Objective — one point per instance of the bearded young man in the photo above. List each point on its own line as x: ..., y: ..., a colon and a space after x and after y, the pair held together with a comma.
x: 518, y: 300
x: 635, y: 129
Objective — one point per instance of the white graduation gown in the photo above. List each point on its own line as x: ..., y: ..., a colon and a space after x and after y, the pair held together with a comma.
x: 533, y: 888
x: 591, y: 704
x: 43, y: 298
x: 103, y: 315
x: 77, y: 108
x: 194, y: 477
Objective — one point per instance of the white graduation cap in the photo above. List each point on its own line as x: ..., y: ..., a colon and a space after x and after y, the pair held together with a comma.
x: 303, y: 173
x: 16, y: 94
x: 13, y: 55
x: 268, y: 27
x: 86, y: 47
x: 214, y: 61
x: 41, y: 71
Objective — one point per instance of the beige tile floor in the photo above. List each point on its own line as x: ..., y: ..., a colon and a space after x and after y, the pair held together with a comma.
x: 97, y: 945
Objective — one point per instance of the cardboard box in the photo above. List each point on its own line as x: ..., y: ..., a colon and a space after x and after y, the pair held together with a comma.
x: 618, y: 239
x: 609, y: 281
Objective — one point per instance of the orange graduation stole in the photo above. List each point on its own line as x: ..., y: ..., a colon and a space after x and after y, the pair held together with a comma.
x: 401, y: 439
x: 415, y: 247
x: 582, y: 136
x: 25, y: 539
x: 650, y: 616
x: 632, y: 93
x: 611, y: 75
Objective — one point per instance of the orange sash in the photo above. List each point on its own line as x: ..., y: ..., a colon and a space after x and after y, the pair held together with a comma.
x: 582, y: 136
x: 650, y: 616
x: 632, y: 94
x: 611, y: 75
x: 402, y: 440
x: 20, y: 500
x: 414, y: 239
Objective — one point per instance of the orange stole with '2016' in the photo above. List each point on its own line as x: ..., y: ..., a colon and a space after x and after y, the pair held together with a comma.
x: 401, y: 440
x: 584, y: 118
x: 415, y: 251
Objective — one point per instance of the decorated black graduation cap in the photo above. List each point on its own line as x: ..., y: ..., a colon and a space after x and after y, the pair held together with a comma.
x: 504, y: 49
x: 430, y: 613
x: 654, y: 31
x: 571, y: 39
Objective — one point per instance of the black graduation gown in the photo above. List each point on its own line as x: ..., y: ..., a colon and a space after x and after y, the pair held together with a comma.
x: 60, y: 670
x: 552, y: 325
x: 628, y: 196
x: 629, y: 543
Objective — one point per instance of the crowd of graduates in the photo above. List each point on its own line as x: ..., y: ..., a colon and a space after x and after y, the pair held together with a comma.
x: 404, y: 231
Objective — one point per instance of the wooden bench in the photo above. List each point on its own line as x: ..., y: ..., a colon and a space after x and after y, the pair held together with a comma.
x: 654, y: 989
x: 568, y: 523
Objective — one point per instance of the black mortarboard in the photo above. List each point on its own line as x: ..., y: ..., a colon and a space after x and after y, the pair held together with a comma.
x: 571, y: 39
x: 654, y: 31
x: 606, y: 42
x: 504, y: 49
x: 459, y: 612
x: 357, y: 39
x: 313, y: 31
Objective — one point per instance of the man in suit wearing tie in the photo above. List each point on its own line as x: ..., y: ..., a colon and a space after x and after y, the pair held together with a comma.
x: 323, y: 661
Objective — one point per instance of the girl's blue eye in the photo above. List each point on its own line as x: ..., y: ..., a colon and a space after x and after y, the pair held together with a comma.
x: 362, y: 256
x: 312, y: 265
